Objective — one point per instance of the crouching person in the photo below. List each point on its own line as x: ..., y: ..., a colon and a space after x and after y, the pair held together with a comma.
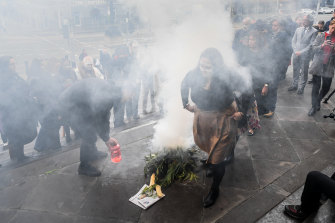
x: 86, y: 106
x: 317, y: 185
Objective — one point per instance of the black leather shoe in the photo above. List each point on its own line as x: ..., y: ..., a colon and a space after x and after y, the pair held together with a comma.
x: 292, y: 88
x: 312, y: 111
x: 294, y: 211
x: 300, y: 91
x: 211, y: 197
x: 88, y: 170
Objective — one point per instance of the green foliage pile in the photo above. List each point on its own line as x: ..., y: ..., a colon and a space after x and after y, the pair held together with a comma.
x: 172, y: 165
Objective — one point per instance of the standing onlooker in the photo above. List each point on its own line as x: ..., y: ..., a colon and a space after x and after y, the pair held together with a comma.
x: 328, y: 22
x: 17, y: 108
x: 323, y: 66
x: 279, y: 50
x: 86, y: 69
x: 255, y: 57
x: 67, y: 76
x: 301, y: 44
x: 320, y: 27
x: 123, y: 61
x: 299, y: 21
x: 82, y: 55
x: 241, y: 35
x: 148, y: 88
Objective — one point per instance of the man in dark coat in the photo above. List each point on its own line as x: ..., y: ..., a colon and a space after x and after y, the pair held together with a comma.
x: 123, y: 74
x: 280, y: 57
x: 17, y: 108
x: 86, y: 107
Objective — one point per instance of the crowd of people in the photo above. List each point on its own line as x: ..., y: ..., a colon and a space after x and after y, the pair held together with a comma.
x: 224, y: 106
x: 81, y: 96
x: 54, y: 90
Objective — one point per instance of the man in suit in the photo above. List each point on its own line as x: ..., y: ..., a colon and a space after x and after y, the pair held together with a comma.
x: 302, y: 47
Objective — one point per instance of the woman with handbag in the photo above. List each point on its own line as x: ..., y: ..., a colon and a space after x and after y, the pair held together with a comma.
x: 323, y: 66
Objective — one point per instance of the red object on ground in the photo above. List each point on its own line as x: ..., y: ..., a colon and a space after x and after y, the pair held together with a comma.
x: 115, y: 153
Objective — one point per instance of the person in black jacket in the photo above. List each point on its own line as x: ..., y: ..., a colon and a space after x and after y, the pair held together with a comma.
x: 86, y: 106
x: 18, y: 109
x: 326, y: 28
x: 45, y: 88
x: 280, y: 51
x: 215, y: 113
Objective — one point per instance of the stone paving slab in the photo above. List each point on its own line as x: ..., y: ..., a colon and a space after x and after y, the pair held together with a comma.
x: 325, y: 214
x: 24, y: 216
x: 268, y: 167
x: 255, y: 207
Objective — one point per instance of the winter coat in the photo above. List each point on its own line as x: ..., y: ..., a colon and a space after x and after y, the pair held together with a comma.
x: 89, y: 101
x: 18, y: 109
x: 317, y: 67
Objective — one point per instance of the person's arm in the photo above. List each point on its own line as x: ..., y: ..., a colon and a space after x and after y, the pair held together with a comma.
x: 317, y: 44
x: 102, y: 125
x: 185, y: 88
x: 294, y: 41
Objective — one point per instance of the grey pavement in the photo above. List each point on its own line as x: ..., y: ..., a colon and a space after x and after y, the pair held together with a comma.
x: 269, y: 171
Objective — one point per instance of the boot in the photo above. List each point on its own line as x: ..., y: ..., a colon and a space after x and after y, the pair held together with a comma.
x: 211, y: 197
x: 88, y: 170
x: 16, y: 152
x: 209, y: 172
x: 218, y: 173
x: 97, y: 155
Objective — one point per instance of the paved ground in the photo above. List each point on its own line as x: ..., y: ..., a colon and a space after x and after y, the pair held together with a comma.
x: 269, y: 168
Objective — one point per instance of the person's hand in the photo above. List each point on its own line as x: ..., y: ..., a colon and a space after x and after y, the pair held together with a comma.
x: 190, y: 108
x: 265, y: 90
x: 111, y: 142
x: 298, y: 53
x: 237, y: 116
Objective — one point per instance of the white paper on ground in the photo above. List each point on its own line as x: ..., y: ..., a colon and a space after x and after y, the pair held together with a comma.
x: 144, y: 202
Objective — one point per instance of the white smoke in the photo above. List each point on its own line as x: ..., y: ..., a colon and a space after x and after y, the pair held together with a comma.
x: 182, y: 30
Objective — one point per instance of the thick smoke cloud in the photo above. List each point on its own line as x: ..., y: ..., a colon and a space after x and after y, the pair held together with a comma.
x: 182, y: 30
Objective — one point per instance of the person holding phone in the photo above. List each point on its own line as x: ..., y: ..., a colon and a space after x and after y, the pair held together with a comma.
x: 323, y: 66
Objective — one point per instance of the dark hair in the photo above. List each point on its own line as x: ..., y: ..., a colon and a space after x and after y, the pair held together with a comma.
x: 310, y: 18
x: 214, y: 56
x: 259, y: 38
x: 321, y: 22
